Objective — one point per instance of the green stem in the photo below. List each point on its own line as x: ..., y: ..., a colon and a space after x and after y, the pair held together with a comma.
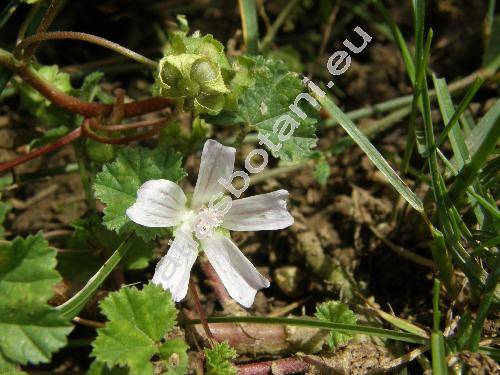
x: 403, y: 101
x: 486, y: 147
x: 278, y: 23
x: 75, y: 304
x: 313, y: 323
x: 438, y: 354
x: 484, y: 306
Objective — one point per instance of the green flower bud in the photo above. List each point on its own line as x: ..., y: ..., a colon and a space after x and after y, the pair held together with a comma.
x: 194, y: 70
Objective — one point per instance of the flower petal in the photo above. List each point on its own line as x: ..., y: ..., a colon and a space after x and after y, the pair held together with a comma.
x: 173, y: 270
x: 239, y: 276
x: 159, y: 204
x: 260, y: 212
x: 217, y: 161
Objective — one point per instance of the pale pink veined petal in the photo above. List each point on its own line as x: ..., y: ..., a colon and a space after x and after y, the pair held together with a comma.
x: 159, y: 203
x: 217, y: 161
x: 260, y: 212
x: 239, y: 276
x: 173, y: 270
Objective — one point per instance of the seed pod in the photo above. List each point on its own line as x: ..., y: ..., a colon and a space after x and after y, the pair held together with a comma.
x: 194, y: 70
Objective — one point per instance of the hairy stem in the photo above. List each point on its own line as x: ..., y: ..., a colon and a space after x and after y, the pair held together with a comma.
x: 72, y: 104
x: 22, y: 51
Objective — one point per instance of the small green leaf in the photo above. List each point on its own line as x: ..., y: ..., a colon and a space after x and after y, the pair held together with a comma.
x: 50, y: 74
x: 336, y: 312
x: 30, y: 329
x: 117, y: 184
x: 322, y: 171
x: 138, y: 320
x: 217, y: 360
x: 264, y: 105
x: 40, y: 107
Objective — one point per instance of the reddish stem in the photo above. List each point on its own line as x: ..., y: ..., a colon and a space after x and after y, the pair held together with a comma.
x: 135, y: 125
x: 88, y: 109
x: 68, y: 138
x: 280, y: 366
x: 203, y: 318
x: 89, y: 123
x: 215, y: 283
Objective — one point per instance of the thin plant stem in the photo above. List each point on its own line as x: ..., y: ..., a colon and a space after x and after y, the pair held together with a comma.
x: 21, y: 51
x: 87, y: 322
x: 269, y: 37
x: 199, y: 309
x: 326, y: 37
x: 484, y: 306
x: 314, y: 323
x: 68, y: 138
x: 87, y: 130
x: 75, y: 105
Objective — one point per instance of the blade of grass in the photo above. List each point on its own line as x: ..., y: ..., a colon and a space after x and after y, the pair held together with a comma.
x: 477, y: 276
x: 443, y: 262
x: 437, y: 339
x: 491, y: 35
x: 28, y: 27
x: 399, y: 322
x: 420, y: 68
x: 492, y: 352
x: 314, y: 323
x: 484, y: 141
x: 484, y: 306
x: 399, y: 39
x: 461, y: 108
x: 371, y: 129
x: 447, y: 111
x: 248, y: 14
x: 7, y: 11
x: 461, y: 154
x: 417, y: 100
x: 488, y: 205
x: 269, y: 37
x: 372, y: 153
x: 75, y: 304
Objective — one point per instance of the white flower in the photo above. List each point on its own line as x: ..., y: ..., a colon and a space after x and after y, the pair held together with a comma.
x: 203, y: 222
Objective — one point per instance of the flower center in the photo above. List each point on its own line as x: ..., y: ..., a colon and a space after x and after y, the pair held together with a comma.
x: 205, y: 223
